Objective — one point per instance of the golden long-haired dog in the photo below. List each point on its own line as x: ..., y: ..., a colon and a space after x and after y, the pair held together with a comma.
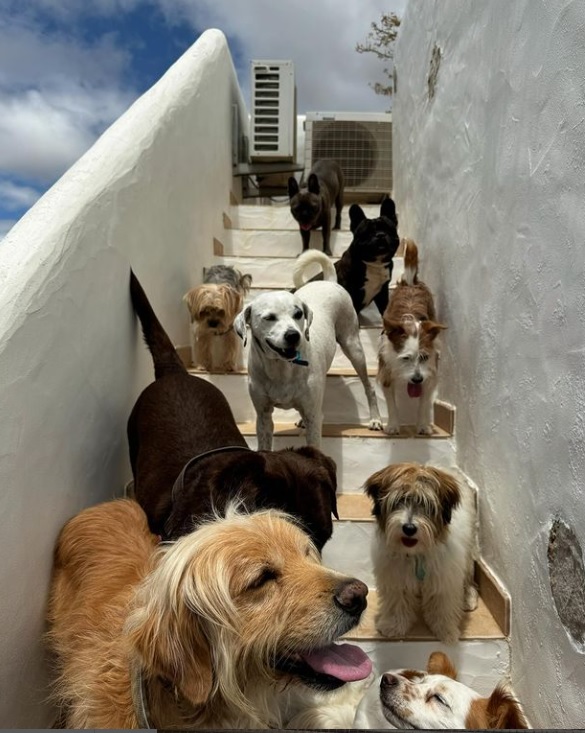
x: 200, y: 633
x: 424, y: 549
x: 408, y: 356
x: 213, y: 307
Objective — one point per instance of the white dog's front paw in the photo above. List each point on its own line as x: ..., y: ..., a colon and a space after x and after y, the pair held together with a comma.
x: 446, y: 633
x: 392, y: 429
x: 391, y: 627
x: 375, y: 424
x: 424, y: 429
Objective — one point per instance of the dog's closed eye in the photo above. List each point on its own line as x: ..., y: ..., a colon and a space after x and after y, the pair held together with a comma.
x: 265, y: 576
x: 269, y: 317
x: 440, y: 699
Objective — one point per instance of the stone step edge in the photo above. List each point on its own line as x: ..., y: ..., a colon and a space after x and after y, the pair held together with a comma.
x: 479, y: 624
x: 345, y: 430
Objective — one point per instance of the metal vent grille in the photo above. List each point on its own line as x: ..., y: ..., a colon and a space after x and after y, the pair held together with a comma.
x: 362, y: 149
x: 266, y: 118
x: 273, y: 119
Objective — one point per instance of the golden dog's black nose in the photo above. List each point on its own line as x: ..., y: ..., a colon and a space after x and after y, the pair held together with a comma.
x: 351, y: 596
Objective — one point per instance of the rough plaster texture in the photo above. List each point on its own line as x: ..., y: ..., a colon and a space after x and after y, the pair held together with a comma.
x: 490, y: 179
x: 150, y: 193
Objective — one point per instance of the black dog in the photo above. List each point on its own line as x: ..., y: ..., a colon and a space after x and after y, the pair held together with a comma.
x: 365, y: 268
x: 312, y: 207
x: 189, y: 458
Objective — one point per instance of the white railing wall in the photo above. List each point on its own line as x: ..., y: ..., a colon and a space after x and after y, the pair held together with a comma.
x: 490, y: 179
x: 149, y: 194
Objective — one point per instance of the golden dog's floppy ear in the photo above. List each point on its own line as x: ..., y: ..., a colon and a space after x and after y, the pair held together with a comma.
x: 172, y: 645
x: 375, y: 485
x: 241, y: 322
x: 192, y: 298
x: 234, y: 301
x: 439, y: 663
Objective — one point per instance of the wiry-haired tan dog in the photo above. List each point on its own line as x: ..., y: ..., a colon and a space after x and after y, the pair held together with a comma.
x: 213, y: 307
x: 200, y: 633
x: 424, y: 549
x: 409, y: 355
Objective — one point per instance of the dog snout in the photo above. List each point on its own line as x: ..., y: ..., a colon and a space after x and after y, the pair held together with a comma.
x: 409, y: 529
x: 213, y: 323
x: 417, y: 379
x: 389, y: 680
x: 351, y: 596
x: 292, y: 337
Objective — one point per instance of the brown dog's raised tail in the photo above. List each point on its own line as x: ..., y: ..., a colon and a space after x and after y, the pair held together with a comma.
x: 164, y: 355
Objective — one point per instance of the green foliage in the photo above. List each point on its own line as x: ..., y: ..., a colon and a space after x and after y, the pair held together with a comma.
x: 380, y: 41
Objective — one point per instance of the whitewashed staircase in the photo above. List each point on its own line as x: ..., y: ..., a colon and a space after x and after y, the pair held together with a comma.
x: 263, y: 240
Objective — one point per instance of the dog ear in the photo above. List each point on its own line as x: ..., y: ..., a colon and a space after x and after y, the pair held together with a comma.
x: 173, y: 645
x: 356, y: 216
x: 191, y: 298
x: 388, y: 209
x: 373, y: 487
x: 313, y: 184
x: 308, y: 313
x: 394, y: 330
x: 499, y: 711
x: 246, y: 282
x: 293, y: 187
x: 431, y: 329
x: 241, y: 321
x: 234, y: 299
x: 439, y: 663
x: 448, y: 491
x: 330, y: 467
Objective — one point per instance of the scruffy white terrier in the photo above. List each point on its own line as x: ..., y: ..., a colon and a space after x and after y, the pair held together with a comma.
x: 213, y: 307
x: 424, y: 549
x: 435, y: 700
x: 408, y: 356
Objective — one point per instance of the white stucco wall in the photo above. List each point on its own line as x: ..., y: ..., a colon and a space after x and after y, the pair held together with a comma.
x: 150, y: 194
x: 490, y: 179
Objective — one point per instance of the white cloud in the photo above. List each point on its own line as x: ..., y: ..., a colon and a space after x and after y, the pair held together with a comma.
x: 318, y: 36
x: 5, y: 226
x: 14, y: 196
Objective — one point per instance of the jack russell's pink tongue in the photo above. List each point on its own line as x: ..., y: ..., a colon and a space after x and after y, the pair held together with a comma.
x: 343, y: 661
x: 414, y: 390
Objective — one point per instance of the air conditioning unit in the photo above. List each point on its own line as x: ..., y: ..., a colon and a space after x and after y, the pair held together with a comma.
x: 361, y: 142
x: 273, y: 119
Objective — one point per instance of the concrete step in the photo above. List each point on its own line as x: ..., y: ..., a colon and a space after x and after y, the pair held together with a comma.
x: 277, y: 271
x: 276, y: 242
x: 278, y: 216
x: 344, y: 401
x: 358, y: 452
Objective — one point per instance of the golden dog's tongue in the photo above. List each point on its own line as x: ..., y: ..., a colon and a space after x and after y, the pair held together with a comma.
x: 414, y: 390
x: 343, y: 661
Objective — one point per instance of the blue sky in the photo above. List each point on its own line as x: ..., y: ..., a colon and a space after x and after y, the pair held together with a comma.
x: 69, y: 68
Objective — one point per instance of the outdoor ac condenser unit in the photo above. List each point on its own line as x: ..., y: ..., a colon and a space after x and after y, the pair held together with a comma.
x: 273, y: 119
x: 361, y: 142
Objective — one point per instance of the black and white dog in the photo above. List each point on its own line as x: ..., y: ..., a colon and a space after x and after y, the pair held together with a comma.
x: 365, y: 268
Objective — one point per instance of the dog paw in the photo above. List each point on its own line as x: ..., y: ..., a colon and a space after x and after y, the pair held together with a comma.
x: 300, y: 423
x: 424, y: 429
x: 328, y: 252
x: 392, y: 429
x: 375, y: 424
x: 389, y: 629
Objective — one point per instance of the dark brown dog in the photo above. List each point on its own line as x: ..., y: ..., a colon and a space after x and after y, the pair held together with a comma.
x: 180, y: 419
x: 312, y: 207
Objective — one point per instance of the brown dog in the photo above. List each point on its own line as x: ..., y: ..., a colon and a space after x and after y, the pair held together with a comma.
x: 312, y: 207
x: 203, y: 633
x: 184, y: 422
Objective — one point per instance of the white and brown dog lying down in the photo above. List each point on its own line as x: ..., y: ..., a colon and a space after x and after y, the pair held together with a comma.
x: 204, y: 632
x: 435, y: 700
x: 294, y: 338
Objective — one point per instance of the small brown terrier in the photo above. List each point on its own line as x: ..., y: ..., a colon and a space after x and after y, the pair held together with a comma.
x: 213, y: 307
x: 409, y: 353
